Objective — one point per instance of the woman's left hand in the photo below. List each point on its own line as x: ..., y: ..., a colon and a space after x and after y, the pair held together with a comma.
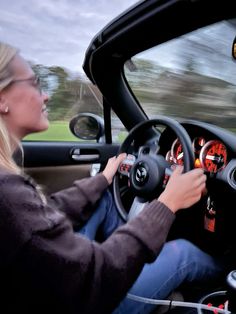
x: 112, y: 166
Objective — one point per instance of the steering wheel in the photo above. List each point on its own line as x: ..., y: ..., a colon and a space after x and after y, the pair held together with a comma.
x: 148, y: 171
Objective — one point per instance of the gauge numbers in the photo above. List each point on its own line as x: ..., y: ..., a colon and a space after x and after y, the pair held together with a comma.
x: 213, y: 156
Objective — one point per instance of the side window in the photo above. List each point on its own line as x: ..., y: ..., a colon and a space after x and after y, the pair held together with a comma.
x: 69, y: 94
x: 119, y: 132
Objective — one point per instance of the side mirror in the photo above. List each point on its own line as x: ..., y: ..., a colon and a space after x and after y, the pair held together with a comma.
x: 87, y: 126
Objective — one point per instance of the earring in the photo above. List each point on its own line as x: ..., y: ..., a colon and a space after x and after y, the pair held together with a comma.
x: 4, y: 110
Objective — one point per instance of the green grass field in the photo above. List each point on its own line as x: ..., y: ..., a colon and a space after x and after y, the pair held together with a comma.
x: 58, y: 131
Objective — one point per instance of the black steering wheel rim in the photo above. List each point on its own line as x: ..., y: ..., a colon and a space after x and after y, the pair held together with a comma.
x: 180, y: 132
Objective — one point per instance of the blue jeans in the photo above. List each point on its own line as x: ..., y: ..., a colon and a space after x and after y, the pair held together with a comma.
x: 179, y: 261
x: 105, y: 218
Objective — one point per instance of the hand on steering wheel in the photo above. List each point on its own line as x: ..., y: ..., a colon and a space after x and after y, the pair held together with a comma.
x: 183, y: 190
x: 149, y: 169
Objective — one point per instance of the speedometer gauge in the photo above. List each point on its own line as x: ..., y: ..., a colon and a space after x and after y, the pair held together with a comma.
x: 213, y: 156
x: 169, y: 157
x: 177, y: 152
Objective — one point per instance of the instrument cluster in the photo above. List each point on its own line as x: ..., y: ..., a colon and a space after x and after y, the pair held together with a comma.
x: 211, y: 155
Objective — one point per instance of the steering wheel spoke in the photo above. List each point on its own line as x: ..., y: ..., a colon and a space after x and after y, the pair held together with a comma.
x: 137, y: 206
x: 168, y: 172
x: 126, y: 165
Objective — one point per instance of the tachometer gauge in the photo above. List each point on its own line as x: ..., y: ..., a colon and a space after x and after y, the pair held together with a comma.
x: 213, y: 156
x: 198, y: 143
x: 177, y: 152
x: 169, y: 157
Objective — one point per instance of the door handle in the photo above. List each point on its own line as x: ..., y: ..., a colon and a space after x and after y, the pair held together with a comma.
x: 78, y: 156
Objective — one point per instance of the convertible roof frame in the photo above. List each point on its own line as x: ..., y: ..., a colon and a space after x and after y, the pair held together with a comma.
x: 133, y: 32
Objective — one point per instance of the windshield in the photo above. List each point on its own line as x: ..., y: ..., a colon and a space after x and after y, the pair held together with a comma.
x: 192, y: 77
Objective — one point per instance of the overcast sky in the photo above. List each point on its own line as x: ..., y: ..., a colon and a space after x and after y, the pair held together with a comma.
x: 56, y: 32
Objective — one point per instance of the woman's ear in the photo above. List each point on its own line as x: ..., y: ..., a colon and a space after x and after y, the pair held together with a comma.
x: 4, y: 109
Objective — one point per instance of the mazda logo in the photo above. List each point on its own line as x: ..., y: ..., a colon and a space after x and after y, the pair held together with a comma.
x: 141, y: 174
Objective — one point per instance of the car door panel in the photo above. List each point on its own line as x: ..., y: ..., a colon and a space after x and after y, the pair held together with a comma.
x: 53, y: 179
x: 55, y: 165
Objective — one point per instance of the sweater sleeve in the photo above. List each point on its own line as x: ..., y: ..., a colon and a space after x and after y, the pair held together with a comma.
x: 79, y: 201
x: 67, y: 270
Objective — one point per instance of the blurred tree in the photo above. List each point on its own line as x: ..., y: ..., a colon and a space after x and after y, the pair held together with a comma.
x: 65, y: 94
x: 183, y: 93
x: 69, y: 94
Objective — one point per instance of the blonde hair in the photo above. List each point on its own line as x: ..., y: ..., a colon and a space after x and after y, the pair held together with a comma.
x: 7, y: 53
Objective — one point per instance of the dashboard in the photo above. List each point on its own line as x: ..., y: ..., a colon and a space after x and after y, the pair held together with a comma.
x: 211, y: 223
x: 213, y: 147
x: 211, y: 155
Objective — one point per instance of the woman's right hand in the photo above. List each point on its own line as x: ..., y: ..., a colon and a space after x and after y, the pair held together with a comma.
x: 183, y: 189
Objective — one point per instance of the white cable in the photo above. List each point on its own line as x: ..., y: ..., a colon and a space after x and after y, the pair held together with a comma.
x: 170, y: 303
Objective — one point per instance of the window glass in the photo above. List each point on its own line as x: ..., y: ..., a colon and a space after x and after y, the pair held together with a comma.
x: 69, y: 94
x: 119, y: 132
x: 192, y: 77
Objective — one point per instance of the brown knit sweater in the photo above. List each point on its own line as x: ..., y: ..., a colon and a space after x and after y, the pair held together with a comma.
x: 46, y: 268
